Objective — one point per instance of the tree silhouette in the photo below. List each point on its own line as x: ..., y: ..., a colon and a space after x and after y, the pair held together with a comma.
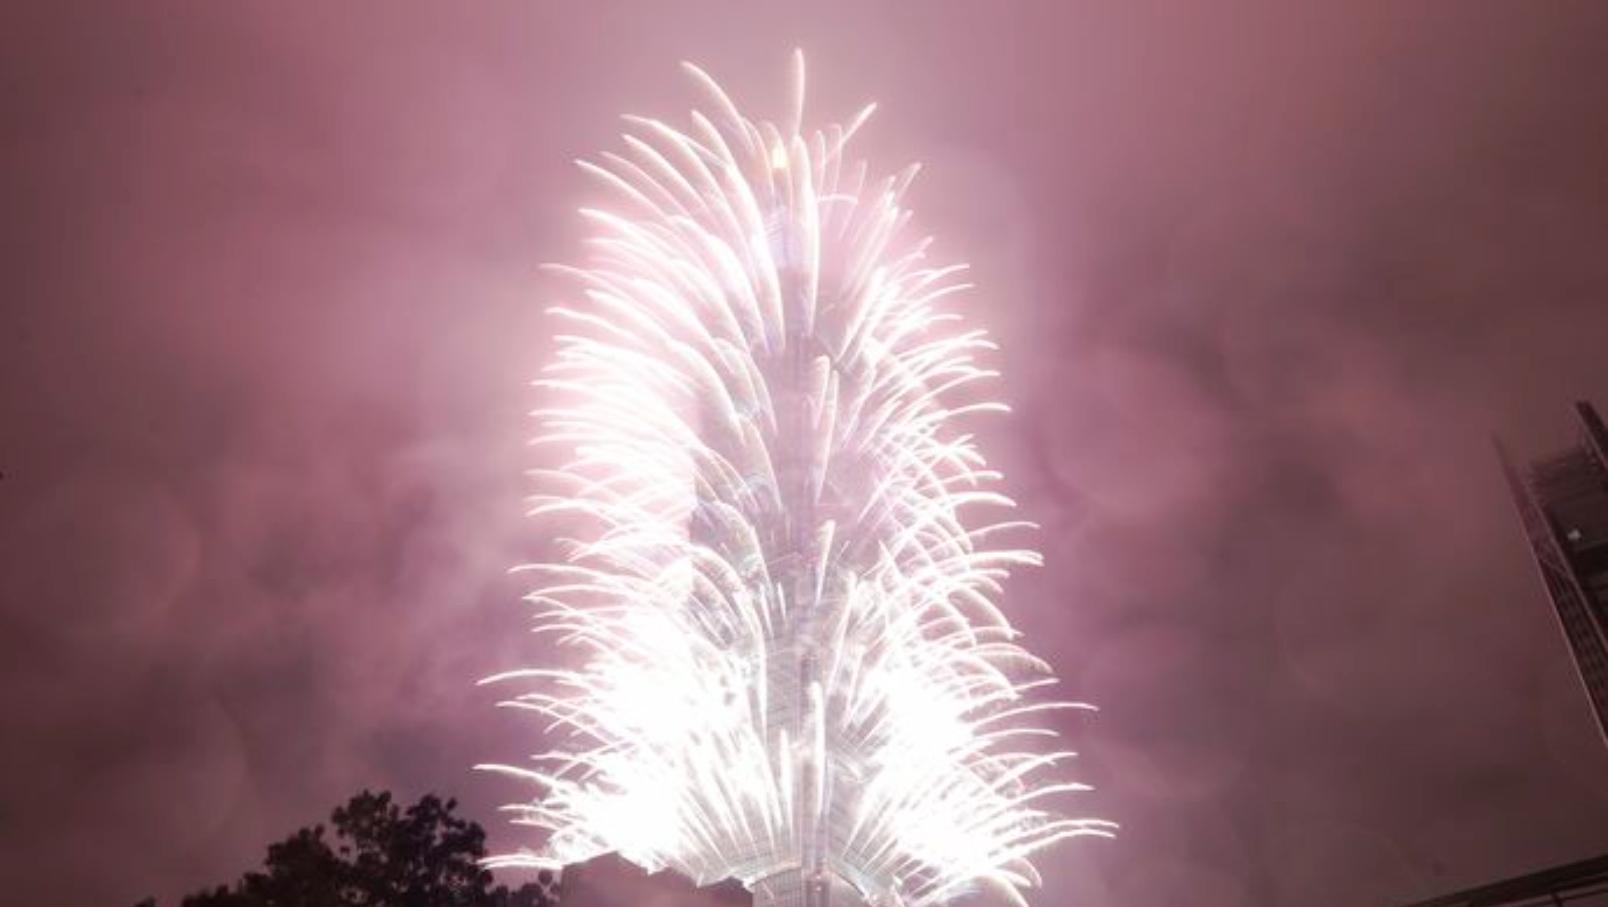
x: 379, y: 855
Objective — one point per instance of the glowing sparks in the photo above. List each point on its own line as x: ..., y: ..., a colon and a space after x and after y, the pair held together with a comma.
x: 791, y: 660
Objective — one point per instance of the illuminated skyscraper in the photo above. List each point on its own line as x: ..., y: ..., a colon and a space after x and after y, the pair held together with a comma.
x: 782, y: 549
x: 1563, y: 503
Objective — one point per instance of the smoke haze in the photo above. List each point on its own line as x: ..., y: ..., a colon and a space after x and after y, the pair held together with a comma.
x: 1266, y: 279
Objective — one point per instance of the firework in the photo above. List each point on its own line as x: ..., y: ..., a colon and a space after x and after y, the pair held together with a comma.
x: 783, y: 575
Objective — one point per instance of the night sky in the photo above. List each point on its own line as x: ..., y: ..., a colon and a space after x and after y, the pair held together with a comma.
x: 1266, y: 282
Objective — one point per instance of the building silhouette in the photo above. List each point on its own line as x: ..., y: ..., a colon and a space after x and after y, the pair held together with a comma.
x: 612, y: 881
x: 1562, y: 502
x: 1584, y: 883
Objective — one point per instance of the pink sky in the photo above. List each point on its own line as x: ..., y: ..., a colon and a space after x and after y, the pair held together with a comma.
x: 1266, y: 280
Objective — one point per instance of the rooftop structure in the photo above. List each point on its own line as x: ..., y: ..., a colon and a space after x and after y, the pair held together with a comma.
x: 1582, y: 884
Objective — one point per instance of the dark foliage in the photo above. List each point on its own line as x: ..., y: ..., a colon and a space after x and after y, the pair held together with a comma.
x: 376, y: 854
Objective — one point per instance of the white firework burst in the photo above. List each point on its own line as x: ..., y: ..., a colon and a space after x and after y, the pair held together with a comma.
x: 792, y: 668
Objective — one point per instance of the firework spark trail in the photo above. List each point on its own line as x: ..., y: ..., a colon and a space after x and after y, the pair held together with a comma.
x: 793, y: 659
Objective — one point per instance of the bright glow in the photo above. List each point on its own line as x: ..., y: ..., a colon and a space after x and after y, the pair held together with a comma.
x: 782, y: 580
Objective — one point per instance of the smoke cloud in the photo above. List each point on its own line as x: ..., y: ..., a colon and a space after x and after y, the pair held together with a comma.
x: 1265, y: 280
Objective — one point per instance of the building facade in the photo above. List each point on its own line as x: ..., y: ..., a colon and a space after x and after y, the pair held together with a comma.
x: 1562, y: 502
